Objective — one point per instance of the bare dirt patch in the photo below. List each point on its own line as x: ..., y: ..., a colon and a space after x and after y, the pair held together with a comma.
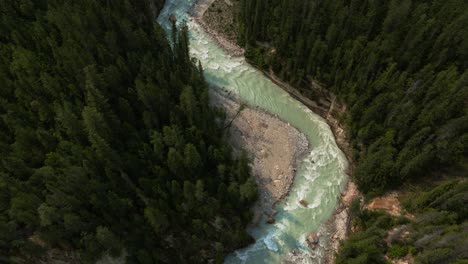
x: 388, y: 203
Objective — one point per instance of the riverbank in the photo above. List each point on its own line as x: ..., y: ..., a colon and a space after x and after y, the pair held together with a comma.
x: 338, y: 227
x: 327, y: 106
x: 275, y: 148
x: 207, y: 13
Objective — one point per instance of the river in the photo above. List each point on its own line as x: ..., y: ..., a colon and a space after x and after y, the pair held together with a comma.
x: 321, y: 175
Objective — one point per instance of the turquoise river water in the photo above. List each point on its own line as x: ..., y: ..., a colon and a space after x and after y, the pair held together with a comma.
x: 320, y: 176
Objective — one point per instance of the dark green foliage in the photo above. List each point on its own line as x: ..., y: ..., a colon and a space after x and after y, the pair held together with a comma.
x: 438, y: 233
x: 107, y: 141
x: 449, y: 196
x: 367, y: 246
x: 400, y: 66
x: 398, y: 250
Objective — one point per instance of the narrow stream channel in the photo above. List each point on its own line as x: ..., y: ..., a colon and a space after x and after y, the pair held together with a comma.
x: 320, y: 176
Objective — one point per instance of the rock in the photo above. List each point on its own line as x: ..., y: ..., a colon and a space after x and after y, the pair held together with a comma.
x: 172, y: 18
x: 295, y: 252
x: 313, y: 240
x: 304, y: 203
x: 271, y: 220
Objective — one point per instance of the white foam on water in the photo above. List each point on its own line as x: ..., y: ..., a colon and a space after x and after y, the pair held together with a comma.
x: 317, y: 199
x: 283, y: 224
x: 270, y: 242
x: 213, y: 66
x: 302, y: 243
x: 289, y: 206
x: 200, y: 53
x: 242, y: 256
x: 230, y: 66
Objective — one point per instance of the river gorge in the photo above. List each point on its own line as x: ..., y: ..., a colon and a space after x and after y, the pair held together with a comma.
x: 320, y: 176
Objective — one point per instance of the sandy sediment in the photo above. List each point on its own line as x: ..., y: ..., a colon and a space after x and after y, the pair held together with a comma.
x: 274, y: 147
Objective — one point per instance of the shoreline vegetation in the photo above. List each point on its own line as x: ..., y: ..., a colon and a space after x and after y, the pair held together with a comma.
x: 339, y: 225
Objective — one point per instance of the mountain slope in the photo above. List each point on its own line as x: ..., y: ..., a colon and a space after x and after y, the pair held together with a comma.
x: 107, y: 140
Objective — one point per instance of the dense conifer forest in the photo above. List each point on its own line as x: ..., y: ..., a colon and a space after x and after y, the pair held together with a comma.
x: 108, y: 145
x: 107, y: 141
x: 400, y: 66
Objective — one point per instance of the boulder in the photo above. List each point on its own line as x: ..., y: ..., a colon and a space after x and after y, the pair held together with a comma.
x: 304, y: 203
x: 271, y: 220
x: 313, y: 240
x: 172, y: 18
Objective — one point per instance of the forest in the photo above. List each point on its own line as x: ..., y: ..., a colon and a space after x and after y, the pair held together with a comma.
x: 400, y: 67
x: 107, y: 143
x: 437, y: 234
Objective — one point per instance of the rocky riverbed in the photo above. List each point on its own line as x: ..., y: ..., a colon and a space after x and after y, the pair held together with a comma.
x: 274, y: 147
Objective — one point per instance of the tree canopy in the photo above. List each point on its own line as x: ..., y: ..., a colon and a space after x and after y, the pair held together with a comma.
x: 400, y: 66
x: 107, y: 141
